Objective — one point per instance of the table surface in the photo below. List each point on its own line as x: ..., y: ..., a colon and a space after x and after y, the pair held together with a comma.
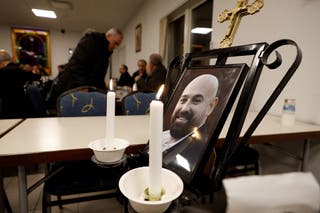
x: 63, y: 138
x: 6, y: 124
x: 270, y: 129
x: 66, y: 138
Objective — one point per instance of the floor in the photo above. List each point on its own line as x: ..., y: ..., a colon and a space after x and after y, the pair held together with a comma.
x: 35, y: 199
x: 272, y: 160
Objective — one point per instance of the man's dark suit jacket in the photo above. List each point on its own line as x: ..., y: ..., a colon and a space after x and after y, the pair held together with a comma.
x: 125, y: 80
x: 152, y: 83
x: 191, y: 149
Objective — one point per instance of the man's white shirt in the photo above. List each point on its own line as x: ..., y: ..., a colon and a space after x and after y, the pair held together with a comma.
x: 169, y: 141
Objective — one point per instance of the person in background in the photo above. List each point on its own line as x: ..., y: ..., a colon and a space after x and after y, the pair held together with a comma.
x: 125, y: 78
x: 88, y: 63
x: 14, y: 101
x: 50, y: 85
x: 141, y: 72
x: 156, y: 75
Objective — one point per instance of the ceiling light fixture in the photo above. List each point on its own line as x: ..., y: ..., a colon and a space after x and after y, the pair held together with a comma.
x: 201, y: 30
x: 44, y: 13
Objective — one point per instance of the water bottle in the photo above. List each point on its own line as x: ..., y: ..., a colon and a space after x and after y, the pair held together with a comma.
x: 288, y: 112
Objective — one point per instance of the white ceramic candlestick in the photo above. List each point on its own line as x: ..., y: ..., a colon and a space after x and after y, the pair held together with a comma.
x: 111, y: 97
x: 155, y: 150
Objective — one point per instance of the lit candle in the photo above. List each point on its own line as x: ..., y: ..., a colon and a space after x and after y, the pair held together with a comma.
x: 155, y: 146
x: 111, y: 97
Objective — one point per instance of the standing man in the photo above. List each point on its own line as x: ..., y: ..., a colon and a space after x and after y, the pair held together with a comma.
x: 89, y: 62
x: 156, y: 75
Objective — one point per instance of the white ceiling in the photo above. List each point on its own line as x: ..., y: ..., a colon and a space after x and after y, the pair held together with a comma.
x: 97, y: 14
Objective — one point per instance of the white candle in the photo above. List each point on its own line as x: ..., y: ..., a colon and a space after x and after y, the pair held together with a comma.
x: 155, y: 146
x: 111, y: 97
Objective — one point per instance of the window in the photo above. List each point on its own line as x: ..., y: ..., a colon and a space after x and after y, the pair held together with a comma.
x: 201, y: 19
x: 180, y: 40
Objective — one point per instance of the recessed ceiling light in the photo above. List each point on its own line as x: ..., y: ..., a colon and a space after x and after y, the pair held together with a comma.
x: 201, y: 30
x: 44, y: 13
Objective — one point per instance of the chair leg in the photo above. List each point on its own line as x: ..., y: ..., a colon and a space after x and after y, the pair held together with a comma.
x: 45, y: 201
x: 6, y: 203
x: 59, y: 200
x: 125, y: 205
x: 256, y: 168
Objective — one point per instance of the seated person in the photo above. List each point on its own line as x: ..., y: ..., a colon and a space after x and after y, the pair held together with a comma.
x: 51, y: 83
x: 125, y: 78
x: 156, y: 75
x: 141, y: 72
x: 14, y: 101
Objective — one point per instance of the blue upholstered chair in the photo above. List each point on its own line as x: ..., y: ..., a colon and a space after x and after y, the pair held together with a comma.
x: 137, y: 103
x: 78, y: 177
x: 82, y: 101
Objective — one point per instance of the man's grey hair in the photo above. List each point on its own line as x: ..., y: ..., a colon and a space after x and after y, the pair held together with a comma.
x: 155, y: 59
x: 113, y: 31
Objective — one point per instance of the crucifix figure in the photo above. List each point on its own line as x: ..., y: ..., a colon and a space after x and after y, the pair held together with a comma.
x: 235, y: 15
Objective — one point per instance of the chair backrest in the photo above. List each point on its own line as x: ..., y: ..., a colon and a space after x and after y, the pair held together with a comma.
x: 137, y: 103
x: 82, y: 101
x: 34, y: 93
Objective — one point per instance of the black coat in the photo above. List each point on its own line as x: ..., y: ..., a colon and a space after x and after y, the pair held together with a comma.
x: 14, y: 101
x: 191, y: 149
x: 87, y: 65
x: 125, y: 80
x: 152, y: 83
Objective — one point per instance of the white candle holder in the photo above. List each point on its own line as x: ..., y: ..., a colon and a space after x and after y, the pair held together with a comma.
x: 133, y: 184
x: 109, y: 152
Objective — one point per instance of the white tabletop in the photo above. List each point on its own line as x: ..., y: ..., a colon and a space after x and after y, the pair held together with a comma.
x: 36, y: 135
x: 271, y: 128
x: 45, y: 139
x: 6, y: 124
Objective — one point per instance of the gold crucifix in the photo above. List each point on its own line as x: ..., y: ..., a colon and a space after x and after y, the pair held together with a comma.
x: 235, y: 16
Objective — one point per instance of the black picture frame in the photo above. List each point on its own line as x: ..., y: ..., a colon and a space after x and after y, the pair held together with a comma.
x: 138, y: 39
x: 185, y: 157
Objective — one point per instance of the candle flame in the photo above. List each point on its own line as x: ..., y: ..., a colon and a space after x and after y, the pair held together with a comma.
x: 110, y: 85
x: 159, y: 93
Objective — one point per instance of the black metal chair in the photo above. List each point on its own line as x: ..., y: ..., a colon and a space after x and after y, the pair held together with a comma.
x: 79, y: 177
x: 244, y: 162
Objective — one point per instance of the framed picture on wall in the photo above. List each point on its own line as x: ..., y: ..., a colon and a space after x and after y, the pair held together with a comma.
x: 32, y: 46
x: 138, y: 33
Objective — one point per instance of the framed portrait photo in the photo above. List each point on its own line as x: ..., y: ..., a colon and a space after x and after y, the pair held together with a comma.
x: 32, y: 46
x: 193, y: 112
x: 138, y: 34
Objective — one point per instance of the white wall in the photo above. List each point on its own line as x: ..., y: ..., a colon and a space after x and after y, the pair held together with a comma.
x: 60, y: 43
x: 291, y: 19
x: 149, y: 17
x: 5, y: 38
x: 275, y: 21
